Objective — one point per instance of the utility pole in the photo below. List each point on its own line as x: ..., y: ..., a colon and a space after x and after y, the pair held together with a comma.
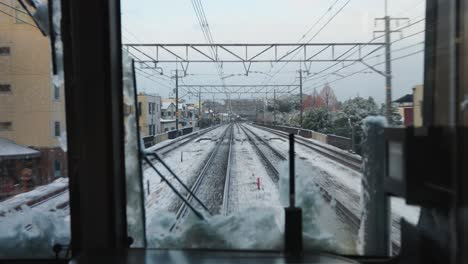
x: 177, y: 102
x: 300, y: 98
x: 274, y: 106
x: 388, y: 59
x: 264, y: 108
x: 199, y: 104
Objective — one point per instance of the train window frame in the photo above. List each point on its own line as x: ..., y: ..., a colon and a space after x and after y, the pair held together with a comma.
x: 101, y: 30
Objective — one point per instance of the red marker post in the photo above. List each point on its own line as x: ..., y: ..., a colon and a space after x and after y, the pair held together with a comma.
x: 258, y: 183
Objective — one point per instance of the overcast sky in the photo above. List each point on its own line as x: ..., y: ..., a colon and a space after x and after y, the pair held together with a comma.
x: 280, y: 21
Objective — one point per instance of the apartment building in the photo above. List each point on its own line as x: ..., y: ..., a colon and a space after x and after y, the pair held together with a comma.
x: 32, y: 108
x: 149, y: 113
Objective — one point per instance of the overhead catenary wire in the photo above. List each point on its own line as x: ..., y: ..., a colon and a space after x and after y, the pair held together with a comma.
x: 303, y: 36
x: 315, y: 35
x: 336, y: 71
x: 19, y: 19
x: 366, y: 68
x: 201, y: 16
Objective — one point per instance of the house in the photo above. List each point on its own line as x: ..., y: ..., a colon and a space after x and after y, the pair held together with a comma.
x: 168, y: 110
x: 167, y: 125
x: 149, y: 114
x: 405, y: 106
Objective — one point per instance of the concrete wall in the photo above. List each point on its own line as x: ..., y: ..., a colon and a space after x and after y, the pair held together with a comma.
x: 418, y: 103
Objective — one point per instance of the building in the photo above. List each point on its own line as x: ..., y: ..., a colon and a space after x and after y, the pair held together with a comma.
x: 32, y: 107
x: 149, y: 114
x: 404, y: 105
x: 168, y: 125
x: 417, y: 105
x: 168, y: 110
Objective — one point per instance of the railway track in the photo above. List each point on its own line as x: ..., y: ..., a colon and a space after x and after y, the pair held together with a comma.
x: 353, y: 163
x: 350, y: 161
x: 269, y: 165
x: 342, y: 211
x: 179, y: 142
x: 227, y: 181
x: 207, y: 171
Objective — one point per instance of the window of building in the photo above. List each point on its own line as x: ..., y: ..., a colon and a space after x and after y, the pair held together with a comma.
x: 56, y: 92
x: 4, y: 51
x: 57, y: 168
x: 149, y: 108
x: 5, y: 88
x: 166, y: 129
x: 4, y: 126
x: 57, y: 129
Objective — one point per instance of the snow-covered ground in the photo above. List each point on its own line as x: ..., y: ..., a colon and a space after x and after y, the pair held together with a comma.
x: 343, y: 183
x: 33, y: 230
x: 255, y: 218
x: 186, y: 162
x: 34, y: 195
x: 246, y: 170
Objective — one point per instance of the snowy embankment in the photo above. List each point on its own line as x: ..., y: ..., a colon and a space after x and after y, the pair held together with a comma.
x: 32, y: 231
x: 36, y: 195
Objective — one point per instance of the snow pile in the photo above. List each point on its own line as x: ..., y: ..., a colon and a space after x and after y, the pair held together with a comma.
x: 250, y: 228
x: 134, y: 184
x: 253, y: 228
x: 31, y: 233
x: 309, y: 198
x: 369, y: 123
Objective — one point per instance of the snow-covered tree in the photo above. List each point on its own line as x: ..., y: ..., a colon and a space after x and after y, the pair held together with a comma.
x: 396, y: 118
x: 319, y: 119
x: 350, y: 117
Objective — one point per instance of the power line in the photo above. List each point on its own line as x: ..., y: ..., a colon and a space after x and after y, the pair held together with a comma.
x: 148, y: 77
x: 318, y: 21
x: 14, y: 8
x: 377, y: 64
x: 318, y: 32
x: 19, y: 19
x: 327, y: 74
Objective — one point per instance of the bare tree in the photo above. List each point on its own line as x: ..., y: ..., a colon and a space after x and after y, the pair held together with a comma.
x: 329, y: 97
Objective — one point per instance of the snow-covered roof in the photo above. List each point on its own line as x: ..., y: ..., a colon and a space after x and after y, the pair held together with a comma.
x: 11, y: 150
x: 166, y: 105
x: 167, y: 120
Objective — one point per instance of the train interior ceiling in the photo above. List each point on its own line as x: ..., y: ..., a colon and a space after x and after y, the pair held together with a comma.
x: 137, y: 132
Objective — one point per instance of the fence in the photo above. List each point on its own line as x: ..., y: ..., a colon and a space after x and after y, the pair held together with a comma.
x: 152, y: 140
x: 334, y: 140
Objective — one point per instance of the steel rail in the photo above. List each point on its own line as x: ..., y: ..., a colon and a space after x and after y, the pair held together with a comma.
x: 267, y: 162
x: 227, y: 181
x: 181, y: 212
x: 346, y: 160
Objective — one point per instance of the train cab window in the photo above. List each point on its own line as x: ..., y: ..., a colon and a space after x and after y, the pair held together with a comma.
x: 224, y: 184
x: 34, y: 196
x: 291, y: 151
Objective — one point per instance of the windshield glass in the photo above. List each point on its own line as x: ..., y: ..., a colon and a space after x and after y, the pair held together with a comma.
x: 221, y: 84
